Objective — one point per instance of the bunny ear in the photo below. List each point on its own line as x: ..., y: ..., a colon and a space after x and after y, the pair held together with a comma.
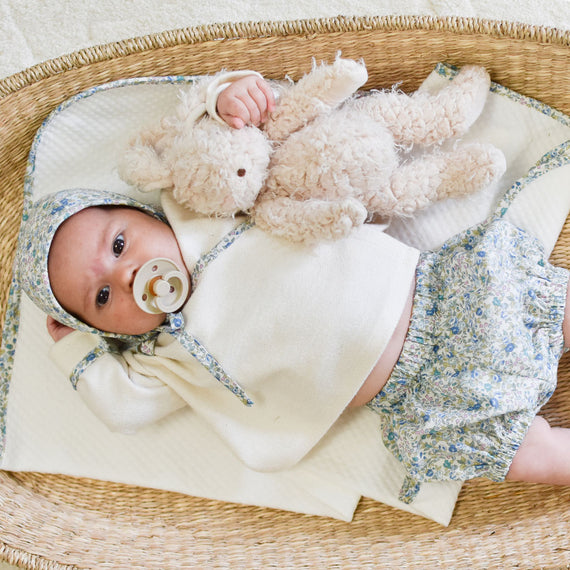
x: 192, y: 102
x: 191, y: 105
x: 142, y: 166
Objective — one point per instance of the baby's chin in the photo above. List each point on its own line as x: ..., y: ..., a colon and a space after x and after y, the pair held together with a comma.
x: 139, y: 326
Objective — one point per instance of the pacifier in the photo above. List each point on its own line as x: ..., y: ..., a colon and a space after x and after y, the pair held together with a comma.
x: 160, y: 286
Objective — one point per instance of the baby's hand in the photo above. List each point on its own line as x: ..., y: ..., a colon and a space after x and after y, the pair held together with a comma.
x: 247, y: 101
x: 56, y: 330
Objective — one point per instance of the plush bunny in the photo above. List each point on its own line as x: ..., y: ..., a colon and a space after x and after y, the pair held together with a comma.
x: 326, y: 159
x: 210, y: 167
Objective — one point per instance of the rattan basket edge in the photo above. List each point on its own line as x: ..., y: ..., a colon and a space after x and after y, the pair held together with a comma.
x: 244, y: 30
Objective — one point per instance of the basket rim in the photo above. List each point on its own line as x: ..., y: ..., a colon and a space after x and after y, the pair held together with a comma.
x: 260, y: 29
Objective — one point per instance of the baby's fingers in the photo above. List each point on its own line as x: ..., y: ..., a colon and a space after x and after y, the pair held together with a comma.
x: 235, y: 120
x: 233, y: 108
x: 268, y: 102
x: 248, y: 105
x: 247, y: 101
x: 255, y: 106
x: 261, y: 102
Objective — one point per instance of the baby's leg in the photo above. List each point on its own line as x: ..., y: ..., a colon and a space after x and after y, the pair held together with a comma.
x: 544, y: 455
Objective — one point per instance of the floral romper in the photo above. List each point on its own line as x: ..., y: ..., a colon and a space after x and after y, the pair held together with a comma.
x: 480, y: 357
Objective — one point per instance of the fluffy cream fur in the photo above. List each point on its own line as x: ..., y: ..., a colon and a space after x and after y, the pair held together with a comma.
x: 327, y: 159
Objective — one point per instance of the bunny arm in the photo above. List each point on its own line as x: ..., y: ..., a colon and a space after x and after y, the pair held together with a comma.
x: 309, y: 220
x: 317, y: 92
x: 464, y: 170
x: 142, y: 164
x: 425, y: 118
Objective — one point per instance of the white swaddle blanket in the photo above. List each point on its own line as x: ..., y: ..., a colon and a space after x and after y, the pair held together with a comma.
x: 47, y: 428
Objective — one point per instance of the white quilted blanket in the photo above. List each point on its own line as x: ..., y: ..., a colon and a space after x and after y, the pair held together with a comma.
x: 46, y: 427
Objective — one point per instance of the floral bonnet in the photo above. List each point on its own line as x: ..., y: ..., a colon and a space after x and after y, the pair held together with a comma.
x: 41, y: 221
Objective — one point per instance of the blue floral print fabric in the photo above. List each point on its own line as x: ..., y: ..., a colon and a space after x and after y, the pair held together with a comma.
x: 480, y: 357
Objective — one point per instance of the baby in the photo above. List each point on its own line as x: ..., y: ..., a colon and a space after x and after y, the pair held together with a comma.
x: 456, y: 349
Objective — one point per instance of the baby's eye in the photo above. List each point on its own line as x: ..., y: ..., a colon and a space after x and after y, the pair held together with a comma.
x: 103, y: 296
x: 118, y: 245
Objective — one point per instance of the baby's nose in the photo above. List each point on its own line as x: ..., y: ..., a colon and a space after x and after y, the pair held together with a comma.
x: 128, y: 274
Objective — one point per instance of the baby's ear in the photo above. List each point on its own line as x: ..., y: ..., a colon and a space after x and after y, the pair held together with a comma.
x: 142, y: 166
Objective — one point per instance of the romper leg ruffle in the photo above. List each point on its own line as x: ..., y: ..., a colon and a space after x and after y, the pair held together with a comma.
x: 480, y: 358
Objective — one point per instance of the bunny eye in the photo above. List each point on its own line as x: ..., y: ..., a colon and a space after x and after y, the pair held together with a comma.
x: 241, y: 172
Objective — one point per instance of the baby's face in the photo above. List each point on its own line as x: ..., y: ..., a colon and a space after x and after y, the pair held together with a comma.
x: 93, y: 260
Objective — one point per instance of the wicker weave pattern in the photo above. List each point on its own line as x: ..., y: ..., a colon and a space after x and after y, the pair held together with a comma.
x: 59, y: 522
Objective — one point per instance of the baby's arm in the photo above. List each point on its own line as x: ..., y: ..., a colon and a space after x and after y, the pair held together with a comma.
x: 123, y: 399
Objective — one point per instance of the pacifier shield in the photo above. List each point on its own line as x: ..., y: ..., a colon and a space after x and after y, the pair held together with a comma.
x: 160, y: 286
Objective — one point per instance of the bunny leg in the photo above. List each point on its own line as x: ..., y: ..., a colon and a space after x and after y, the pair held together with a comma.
x: 466, y: 169
x: 426, y: 119
x: 310, y: 220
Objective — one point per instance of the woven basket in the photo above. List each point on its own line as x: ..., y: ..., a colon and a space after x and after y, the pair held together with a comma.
x: 60, y: 522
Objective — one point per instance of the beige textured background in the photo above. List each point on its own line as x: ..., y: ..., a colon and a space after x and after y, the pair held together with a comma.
x: 32, y: 31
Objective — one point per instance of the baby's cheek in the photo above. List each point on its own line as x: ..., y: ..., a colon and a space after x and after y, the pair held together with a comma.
x: 149, y: 322
x: 133, y: 320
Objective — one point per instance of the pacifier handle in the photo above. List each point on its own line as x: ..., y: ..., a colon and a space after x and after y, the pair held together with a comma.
x: 160, y: 286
